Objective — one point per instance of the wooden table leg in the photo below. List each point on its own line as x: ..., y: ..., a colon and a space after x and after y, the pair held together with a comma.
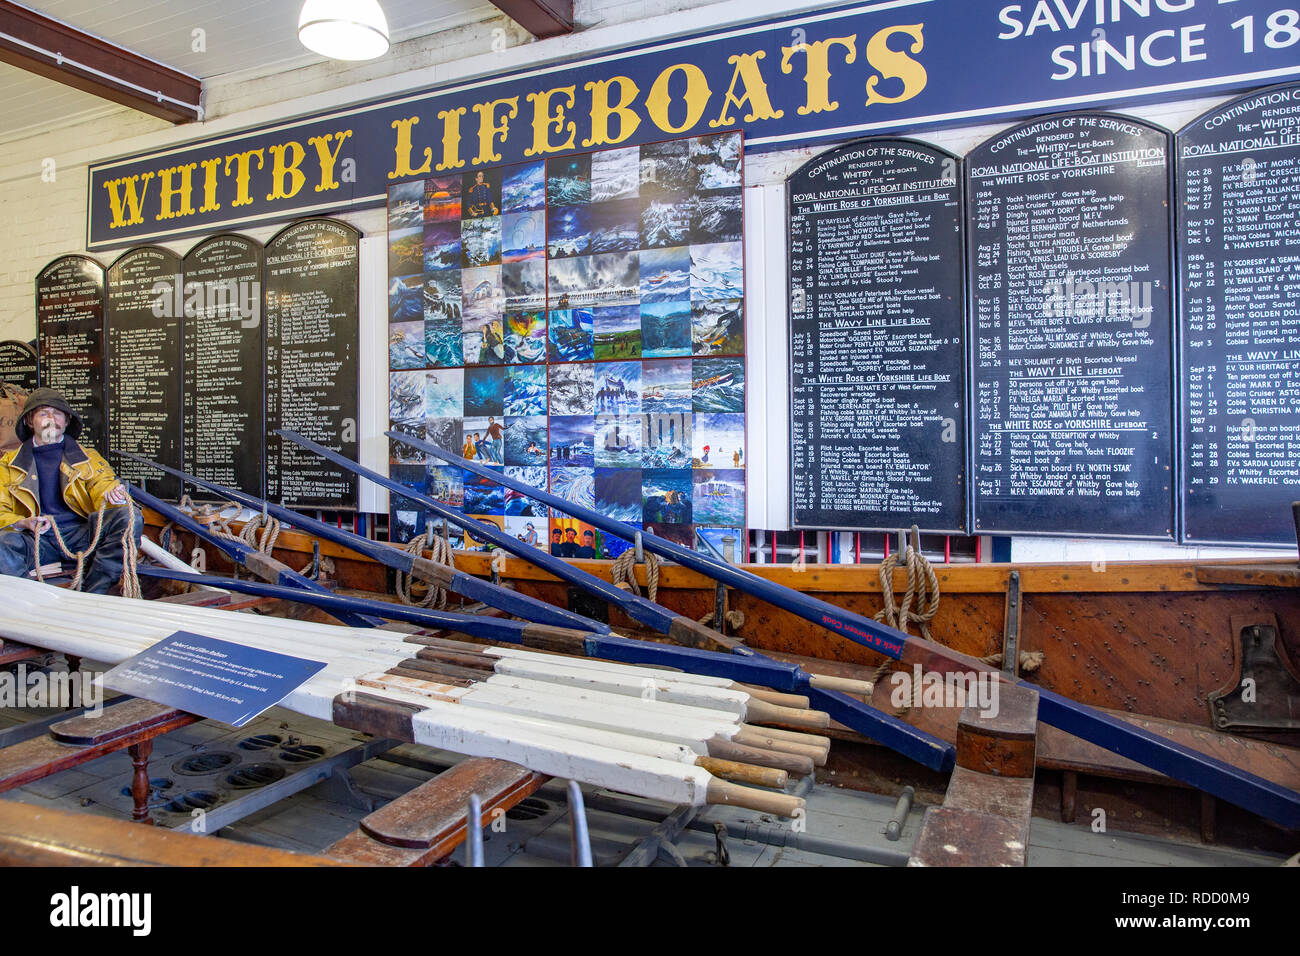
x: 1069, y: 795
x: 140, y: 781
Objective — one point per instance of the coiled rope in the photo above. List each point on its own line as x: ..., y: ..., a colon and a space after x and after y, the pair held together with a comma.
x: 624, y: 575
x: 441, y: 553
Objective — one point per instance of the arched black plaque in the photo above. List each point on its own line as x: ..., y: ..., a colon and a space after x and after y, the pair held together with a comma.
x: 18, y: 365
x: 70, y: 338
x: 1071, y: 328
x: 312, y: 331
x: 224, y: 359
x: 145, y: 308
x: 1239, y: 262
x: 877, y: 323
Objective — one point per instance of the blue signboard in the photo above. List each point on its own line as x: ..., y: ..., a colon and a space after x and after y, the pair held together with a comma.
x: 212, y: 678
x: 829, y: 75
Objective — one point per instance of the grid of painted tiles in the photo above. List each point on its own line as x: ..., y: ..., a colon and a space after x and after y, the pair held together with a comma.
x: 577, y: 322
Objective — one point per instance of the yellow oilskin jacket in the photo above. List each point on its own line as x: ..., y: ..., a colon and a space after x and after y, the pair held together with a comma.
x: 84, y: 477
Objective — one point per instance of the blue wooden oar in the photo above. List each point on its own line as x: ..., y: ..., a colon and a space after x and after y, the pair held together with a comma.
x: 263, y: 565
x: 924, y: 748
x: 1182, y: 763
x: 512, y: 602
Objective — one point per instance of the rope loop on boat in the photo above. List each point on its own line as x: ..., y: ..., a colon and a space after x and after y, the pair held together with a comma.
x: 624, y: 575
x: 441, y: 553
x: 922, y: 587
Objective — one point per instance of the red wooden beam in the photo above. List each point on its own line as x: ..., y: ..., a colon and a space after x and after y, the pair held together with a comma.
x: 541, y: 18
x: 70, y: 56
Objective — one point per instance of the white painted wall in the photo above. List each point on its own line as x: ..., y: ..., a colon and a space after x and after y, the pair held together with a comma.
x: 44, y: 216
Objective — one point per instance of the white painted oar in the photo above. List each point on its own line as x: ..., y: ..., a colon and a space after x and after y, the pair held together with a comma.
x: 169, y: 560
x: 663, y: 750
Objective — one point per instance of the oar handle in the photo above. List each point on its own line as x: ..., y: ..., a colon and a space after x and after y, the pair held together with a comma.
x: 778, y: 804
x: 845, y: 685
x: 761, y: 711
x: 744, y: 773
x: 800, y: 764
x: 773, y: 696
x: 752, y: 737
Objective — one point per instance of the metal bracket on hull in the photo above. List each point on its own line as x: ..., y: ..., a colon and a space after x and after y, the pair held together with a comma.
x: 1264, y: 696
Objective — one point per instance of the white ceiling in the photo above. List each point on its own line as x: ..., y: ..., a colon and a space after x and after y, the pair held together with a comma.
x: 239, y: 36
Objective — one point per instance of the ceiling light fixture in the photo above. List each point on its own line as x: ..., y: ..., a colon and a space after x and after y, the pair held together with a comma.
x: 344, y: 29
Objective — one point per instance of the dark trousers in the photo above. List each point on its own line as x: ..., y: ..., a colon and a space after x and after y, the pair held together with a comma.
x: 103, y: 566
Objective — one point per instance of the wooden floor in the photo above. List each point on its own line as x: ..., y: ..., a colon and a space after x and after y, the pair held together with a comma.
x: 843, y: 827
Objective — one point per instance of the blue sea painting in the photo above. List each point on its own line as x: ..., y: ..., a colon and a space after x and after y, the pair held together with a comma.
x: 444, y: 393
x: 524, y: 285
x: 716, y: 162
x: 577, y: 485
x: 442, y: 342
x: 406, y: 400
x: 572, y: 441
x: 665, y: 329
x: 406, y: 345
x: 405, y: 206
x: 571, y: 389
x: 518, y: 503
x: 665, y: 223
x: 718, y: 497
x: 666, y: 496
x: 718, y: 441
x: 441, y: 246
x: 568, y: 231
x: 523, y: 236
x: 406, y: 298
x: 485, y: 390
x: 718, y: 385
x: 717, y: 217
x: 569, y: 282
x: 525, y: 390
x: 442, y: 295
x: 717, y: 327
x: 718, y: 271
x: 523, y: 188
x: 618, y: 387
x: 666, y: 386
x: 480, y: 242
x: 618, y: 493
x: 570, y: 332
x: 666, y: 440
x: 615, y: 174
x: 568, y: 180
x: 483, y: 496
x: 615, y: 226
x: 413, y: 477
x: 665, y: 274
x: 618, y: 441
x: 526, y: 440
x: 525, y: 337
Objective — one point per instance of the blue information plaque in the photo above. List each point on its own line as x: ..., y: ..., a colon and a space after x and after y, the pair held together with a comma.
x: 212, y: 678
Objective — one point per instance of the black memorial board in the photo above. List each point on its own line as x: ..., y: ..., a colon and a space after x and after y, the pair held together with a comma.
x: 70, y: 338
x: 1238, y: 175
x: 18, y: 365
x: 312, y: 333
x: 877, y: 324
x: 224, y: 349
x: 1071, y: 328
x: 144, y: 314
